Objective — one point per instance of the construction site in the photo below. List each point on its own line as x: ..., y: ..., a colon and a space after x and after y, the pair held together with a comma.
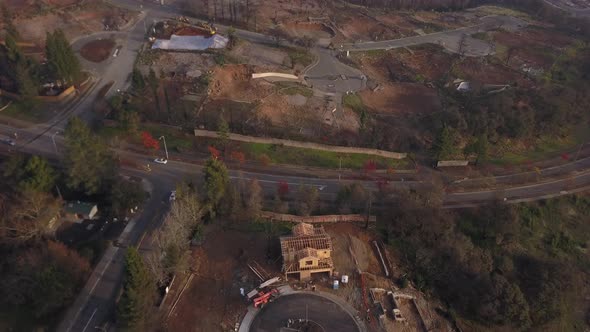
x: 337, y: 275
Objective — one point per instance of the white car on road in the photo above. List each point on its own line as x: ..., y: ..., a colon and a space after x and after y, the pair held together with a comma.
x: 8, y: 141
x: 161, y: 161
x: 172, y: 196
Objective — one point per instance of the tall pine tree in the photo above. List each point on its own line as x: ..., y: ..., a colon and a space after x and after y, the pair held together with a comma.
x: 90, y: 165
x: 62, y: 60
x: 138, y: 293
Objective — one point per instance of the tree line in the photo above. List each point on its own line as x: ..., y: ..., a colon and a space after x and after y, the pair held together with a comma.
x: 499, y: 265
x: 25, y: 72
x: 40, y: 276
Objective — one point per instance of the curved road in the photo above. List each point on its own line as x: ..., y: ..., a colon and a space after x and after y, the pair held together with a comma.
x: 324, y: 312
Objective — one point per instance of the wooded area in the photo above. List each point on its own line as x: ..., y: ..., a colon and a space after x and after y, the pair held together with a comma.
x: 521, y: 266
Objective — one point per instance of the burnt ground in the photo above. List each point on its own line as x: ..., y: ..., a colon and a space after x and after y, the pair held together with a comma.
x: 212, y: 302
x: 97, y: 50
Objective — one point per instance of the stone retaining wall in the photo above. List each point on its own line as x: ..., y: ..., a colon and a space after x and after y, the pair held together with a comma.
x: 316, y: 219
x: 304, y: 145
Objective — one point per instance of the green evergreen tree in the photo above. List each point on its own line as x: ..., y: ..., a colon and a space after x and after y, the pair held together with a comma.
x: 137, y: 79
x: 223, y: 132
x: 64, y: 64
x: 154, y: 83
x: 444, y: 146
x: 27, y: 87
x: 39, y: 175
x: 216, y: 180
x: 14, y: 52
x: 138, y: 293
x: 89, y: 163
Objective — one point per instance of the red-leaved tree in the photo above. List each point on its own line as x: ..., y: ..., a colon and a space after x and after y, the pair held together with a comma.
x: 238, y: 156
x: 283, y: 189
x: 370, y: 166
x: 149, y: 141
x: 214, y: 152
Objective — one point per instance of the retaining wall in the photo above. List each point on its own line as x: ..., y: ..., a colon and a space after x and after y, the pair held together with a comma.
x: 281, y: 75
x: 52, y: 99
x: 303, y: 145
x: 317, y: 219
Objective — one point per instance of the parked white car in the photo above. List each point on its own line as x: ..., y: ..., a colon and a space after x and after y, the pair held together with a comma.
x: 161, y: 161
x: 172, y: 196
x: 8, y: 141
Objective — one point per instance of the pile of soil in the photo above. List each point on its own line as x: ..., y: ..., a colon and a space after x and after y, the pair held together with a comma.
x: 97, y: 50
x: 191, y: 31
x: 402, y: 98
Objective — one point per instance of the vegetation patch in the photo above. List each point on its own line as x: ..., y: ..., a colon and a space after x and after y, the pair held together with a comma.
x: 308, y: 157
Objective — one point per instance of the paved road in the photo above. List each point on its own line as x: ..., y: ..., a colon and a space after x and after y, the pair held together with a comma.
x: 572, y: 10
x: 330, y: 75
x: 329, y: 315
x: 451, y: 40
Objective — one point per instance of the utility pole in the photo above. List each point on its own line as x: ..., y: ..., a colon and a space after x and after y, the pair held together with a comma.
x: 53, y: 140
x: 339, y: 167
x: 370, y: 204
x: 165, y: 147
x: 578, y: 153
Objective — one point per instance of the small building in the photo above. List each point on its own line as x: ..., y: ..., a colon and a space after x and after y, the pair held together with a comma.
x: 307, y: 251
x: 79, y: 211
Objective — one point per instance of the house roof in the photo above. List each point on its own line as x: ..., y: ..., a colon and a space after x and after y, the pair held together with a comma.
x: 309, y: 237
x: 302, y: 229
x: 83, y: 208
x: 306, y: 253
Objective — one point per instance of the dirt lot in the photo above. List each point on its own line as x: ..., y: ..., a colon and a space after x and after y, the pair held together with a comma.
x: 173, y: 63
x: 473, y: 70
x: 213, y: 302
x: 263, y: 57
x: 97, y: 50
x: 536, y: 47
x: 402, y: 98
x: 235, y: 82
x: 74, y: 21
x: 314, y: 30
x: 355, y: 26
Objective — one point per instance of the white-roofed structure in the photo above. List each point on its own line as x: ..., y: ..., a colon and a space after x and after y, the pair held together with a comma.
x: 190, y: 43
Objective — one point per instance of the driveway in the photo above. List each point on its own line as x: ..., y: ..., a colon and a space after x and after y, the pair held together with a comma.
x: 317, y: 309
x: 332, y: 76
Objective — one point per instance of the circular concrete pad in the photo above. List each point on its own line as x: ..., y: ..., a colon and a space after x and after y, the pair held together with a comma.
x: 322, y: 311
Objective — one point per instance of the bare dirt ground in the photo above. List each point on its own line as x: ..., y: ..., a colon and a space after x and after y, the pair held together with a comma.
x: 263, y: 57
x: 354, y: 26
x: 535, y: 47
x: 402, y: 98
x: 302, y: 29
x: 213, y: 302
x: 75, y: 21
x: 235, y: 82
x: 472, y: 69
x: 97, y: 50
x: 423, y: 63
x: 180, y: 63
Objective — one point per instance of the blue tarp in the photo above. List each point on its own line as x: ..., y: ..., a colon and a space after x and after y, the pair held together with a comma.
x: 190, y: 43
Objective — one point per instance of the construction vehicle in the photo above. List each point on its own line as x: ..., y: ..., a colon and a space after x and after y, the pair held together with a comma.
x: 265, y: 297
x: 209, y: 27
